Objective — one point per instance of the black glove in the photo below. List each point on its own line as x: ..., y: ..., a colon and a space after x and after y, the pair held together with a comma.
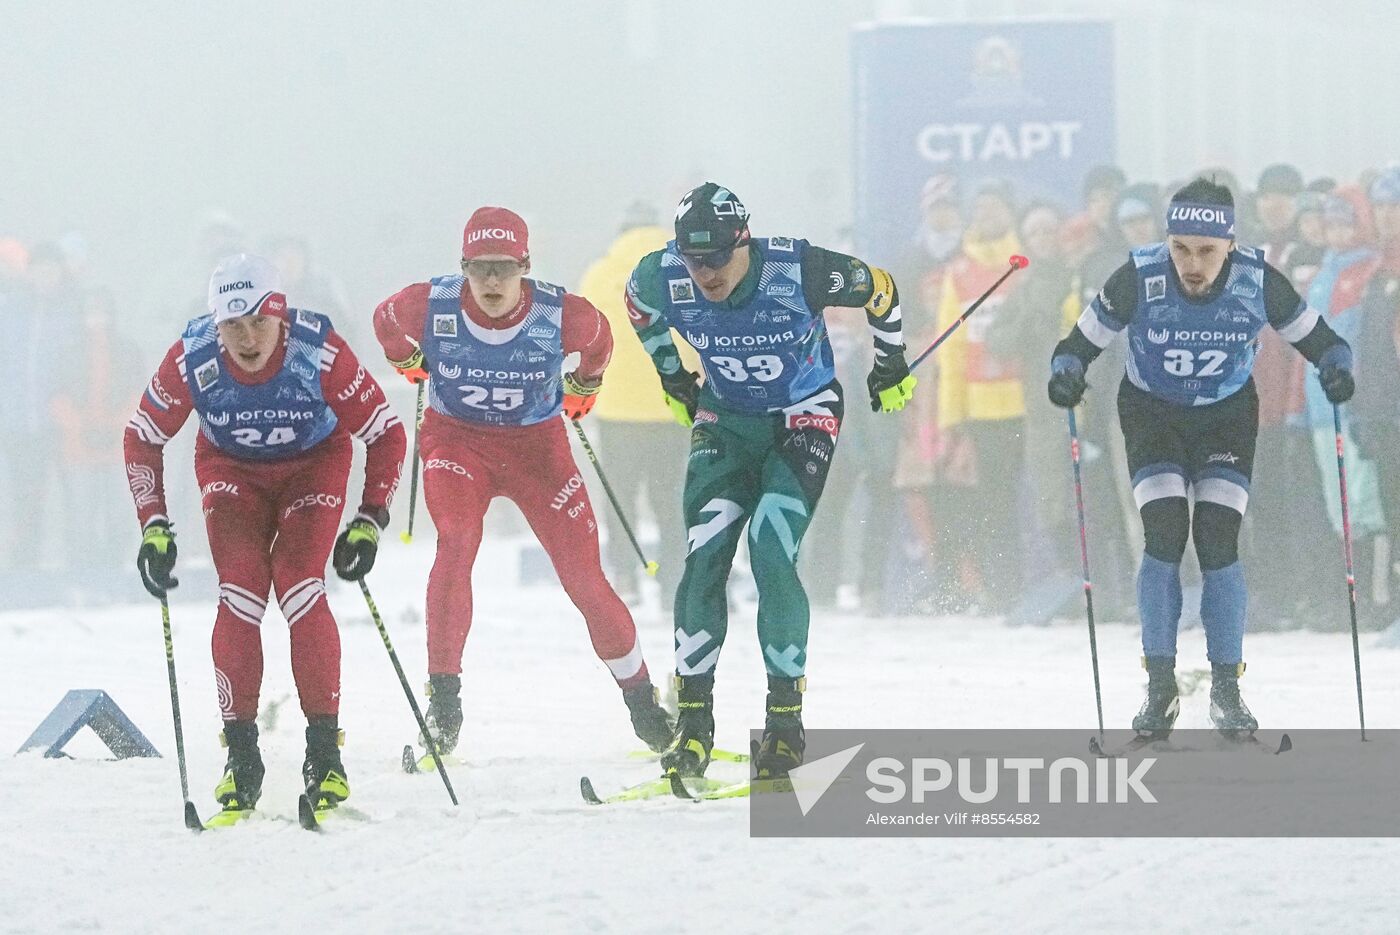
x: 1067, y: 384
x: 1334, y: 373
x: 1337, y: 382
x: 156, y: 559
x: 357, y: 545
x: 889, y: 383
x: 682, y: 390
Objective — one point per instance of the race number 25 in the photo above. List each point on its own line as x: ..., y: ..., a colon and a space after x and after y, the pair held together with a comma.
x: 501, y: 398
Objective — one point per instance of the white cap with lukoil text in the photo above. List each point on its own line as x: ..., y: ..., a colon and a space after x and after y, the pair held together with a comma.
x: 243, y: 284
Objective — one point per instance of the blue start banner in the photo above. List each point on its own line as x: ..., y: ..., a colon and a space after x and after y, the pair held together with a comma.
x: 1029, y: 102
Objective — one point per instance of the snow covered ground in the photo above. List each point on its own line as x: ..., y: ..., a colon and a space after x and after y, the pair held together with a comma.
x: 88, y: 844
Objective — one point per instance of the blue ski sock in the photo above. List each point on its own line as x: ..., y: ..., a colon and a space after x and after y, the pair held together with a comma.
x: 1223, y: 603
x: 1159, y: 605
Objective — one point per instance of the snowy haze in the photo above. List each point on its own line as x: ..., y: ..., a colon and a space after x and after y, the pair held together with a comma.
x: 99, y: 847
x: 374, y: 129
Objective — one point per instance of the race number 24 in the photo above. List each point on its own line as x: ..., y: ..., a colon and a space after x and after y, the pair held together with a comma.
x: 253, y: 438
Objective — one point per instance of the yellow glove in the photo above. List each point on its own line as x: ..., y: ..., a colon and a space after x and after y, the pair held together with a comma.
x: 890, y: 383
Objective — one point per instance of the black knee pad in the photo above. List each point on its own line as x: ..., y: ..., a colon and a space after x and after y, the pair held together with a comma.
x: 1216, y: 530
x: 1165, y: 524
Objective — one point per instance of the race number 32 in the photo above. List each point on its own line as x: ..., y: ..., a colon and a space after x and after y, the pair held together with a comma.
x: 1180, y: 363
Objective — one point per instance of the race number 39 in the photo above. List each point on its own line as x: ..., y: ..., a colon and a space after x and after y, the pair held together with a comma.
x: 761, y: 367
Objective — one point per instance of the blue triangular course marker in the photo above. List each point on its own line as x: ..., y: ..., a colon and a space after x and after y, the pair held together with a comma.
x: 88, y: 707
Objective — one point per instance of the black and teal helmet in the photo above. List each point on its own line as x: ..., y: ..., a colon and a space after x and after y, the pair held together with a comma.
x: 710, y: 218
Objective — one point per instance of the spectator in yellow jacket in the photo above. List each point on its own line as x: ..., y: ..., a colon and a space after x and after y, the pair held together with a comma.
x: 980, y: 401
x: 638, y: 441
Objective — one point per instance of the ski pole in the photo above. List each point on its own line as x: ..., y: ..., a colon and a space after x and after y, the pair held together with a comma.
x: 191, y: 815
x: 407, y: 534
x: 408, y: 692
x: 1017, y: 262
x: 1084, y: 559
x: 651, y: 567
x: 1351, y: 574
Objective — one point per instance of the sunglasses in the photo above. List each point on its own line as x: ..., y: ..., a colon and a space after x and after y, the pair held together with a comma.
x: 484, y: 269
x: 715, y: 259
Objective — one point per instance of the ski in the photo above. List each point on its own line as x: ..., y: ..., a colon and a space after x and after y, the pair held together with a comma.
x: 413, y: 763
x: 726, y: 790
x: 1161, y: 743
x: 313, y: 817
x: 716, y: 755
x: 227, y: 818
x: 689, y: 788
x: 658, y: 787
x: 650, y: 789
x: 192, y: 820
x: 306, y: 814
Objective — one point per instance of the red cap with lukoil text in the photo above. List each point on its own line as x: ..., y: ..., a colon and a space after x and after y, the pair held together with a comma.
x: 496, y: 232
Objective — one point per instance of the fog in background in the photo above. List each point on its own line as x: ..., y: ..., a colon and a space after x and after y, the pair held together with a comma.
x: 373, y: 130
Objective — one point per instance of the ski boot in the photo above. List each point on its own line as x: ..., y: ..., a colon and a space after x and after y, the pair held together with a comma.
x: 649, y: 720
x: 323, y: 772
x: 241, y: 786
x: 784, y: 741
x: 689, y: 752
x: 444, y: 715
x: 1157, y: 715
x: 1227, y: 709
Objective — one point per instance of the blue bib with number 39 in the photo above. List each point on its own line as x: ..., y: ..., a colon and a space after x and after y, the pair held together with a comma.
x: 507, y: 376
x: 1194, y: 353
x: 765, y: 355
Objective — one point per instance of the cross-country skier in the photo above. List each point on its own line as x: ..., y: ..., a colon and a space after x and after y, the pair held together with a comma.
x: 278, y: 394
x: 1192, y: 308
x: 494, y: 347
x: 766, y: 420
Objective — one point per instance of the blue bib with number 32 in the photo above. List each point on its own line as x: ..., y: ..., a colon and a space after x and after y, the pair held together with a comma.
x: 767, y: 354
x: 1194, y: 353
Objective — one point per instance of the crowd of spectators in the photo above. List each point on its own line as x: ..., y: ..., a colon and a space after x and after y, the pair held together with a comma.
x: 985, y: 498
x: 961, y: 504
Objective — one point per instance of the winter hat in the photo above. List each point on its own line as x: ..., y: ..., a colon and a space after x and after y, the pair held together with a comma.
x: 492, y: 231
x: 710, y: 218
x: 244, y: 284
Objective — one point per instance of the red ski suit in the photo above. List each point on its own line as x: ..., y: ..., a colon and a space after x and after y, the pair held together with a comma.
x: 271, y: 524
x: 467, y: 464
